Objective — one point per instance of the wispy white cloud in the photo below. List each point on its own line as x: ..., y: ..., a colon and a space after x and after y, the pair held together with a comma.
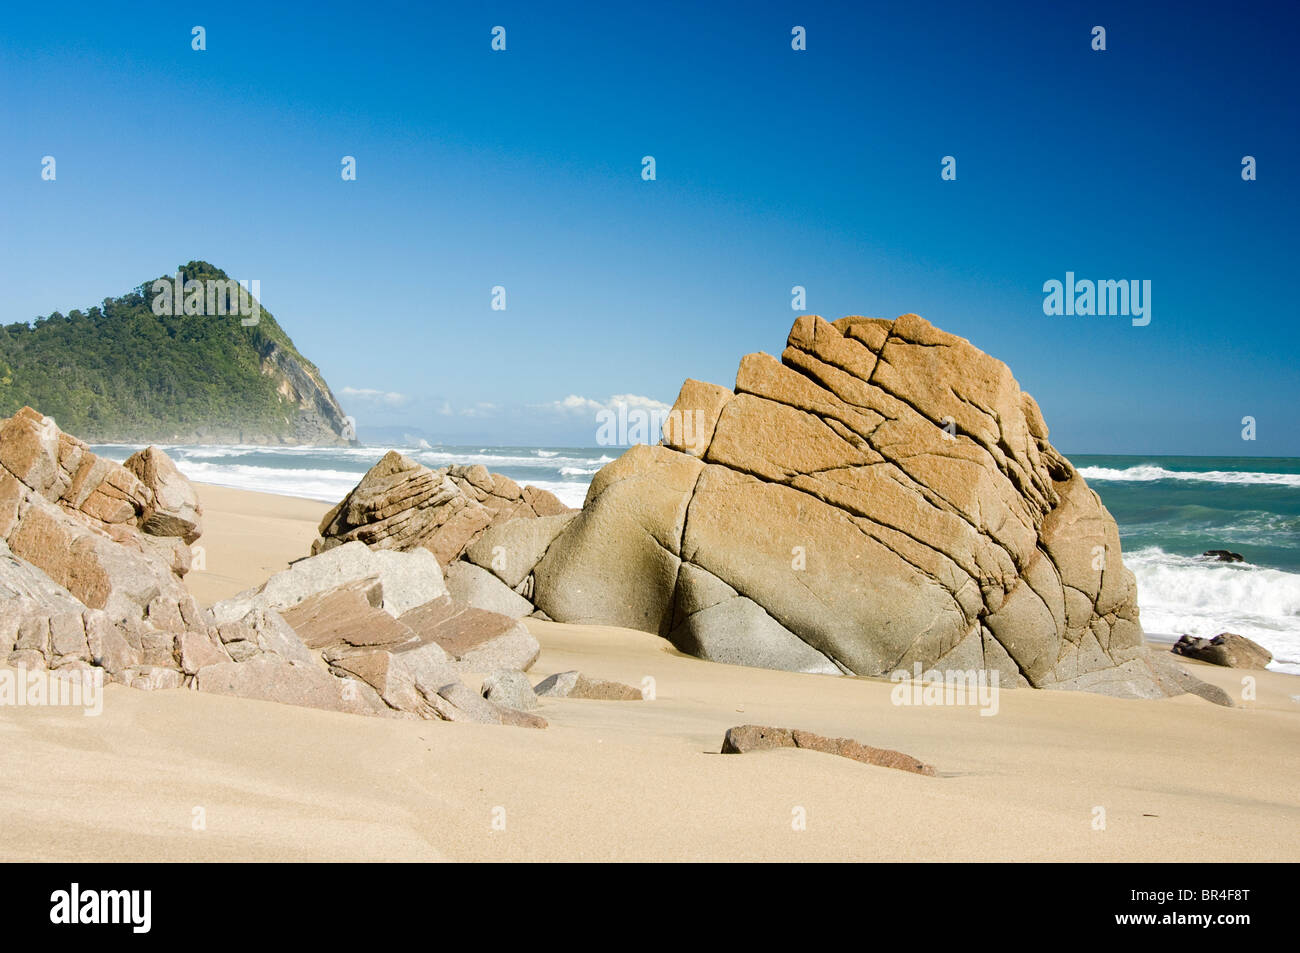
x: 369, y: 395
x: 575, y: 404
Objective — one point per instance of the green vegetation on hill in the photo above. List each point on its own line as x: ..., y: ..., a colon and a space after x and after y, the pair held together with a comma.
x: 119, y: 372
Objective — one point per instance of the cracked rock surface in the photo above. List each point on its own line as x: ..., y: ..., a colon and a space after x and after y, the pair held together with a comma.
x: 883, y: 494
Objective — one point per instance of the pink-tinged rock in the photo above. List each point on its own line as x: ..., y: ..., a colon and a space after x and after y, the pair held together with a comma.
x: 113, y: 646
x: 350, y: 614
x: 197, y: 650
x: 478, y: 640
x: 404, y: 676
x: 151, y: 678
x: 290, y: 683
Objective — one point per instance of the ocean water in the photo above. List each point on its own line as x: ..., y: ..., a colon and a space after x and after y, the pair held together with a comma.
x: 1169, y: 511
x: 1172, y: 509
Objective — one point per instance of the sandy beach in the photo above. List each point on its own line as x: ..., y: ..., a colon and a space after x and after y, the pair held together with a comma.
x: 179, y: 775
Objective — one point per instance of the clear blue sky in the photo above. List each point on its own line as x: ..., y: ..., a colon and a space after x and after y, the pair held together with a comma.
x: 775, y: 168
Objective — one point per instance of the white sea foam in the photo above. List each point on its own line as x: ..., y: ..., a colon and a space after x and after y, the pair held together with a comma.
x: 496, y: 460
x: 329, y: 486
x: 1149, y: 473
x: 1187, y: 595
x: 570, y: 494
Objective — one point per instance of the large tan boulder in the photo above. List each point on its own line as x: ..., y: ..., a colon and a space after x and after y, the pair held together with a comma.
x: 511, y: 549
x: 690, y: 426
x: 617, y: 562
x: 883, y: 495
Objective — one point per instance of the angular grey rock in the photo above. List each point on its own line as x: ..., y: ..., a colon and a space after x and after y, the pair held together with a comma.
x: 152, y: 678
x: 477, y: 587
x: 511, y: 689
x: 408, y: 579
x: 276, y: 636
x: 558, y: 685
x: 1176, y: 680
x: 114, y: 646
x: 197, y: 650
x: 26, y: 658
x: 458, y: 702
x: 574, y: 684
x: 40, y: 618
x: 82, y: 520
x: 26, y: 590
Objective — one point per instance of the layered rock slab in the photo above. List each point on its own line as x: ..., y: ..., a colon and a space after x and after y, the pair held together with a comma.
x: 402, y: 505
x: 116, y: 542
x: 91, y: 559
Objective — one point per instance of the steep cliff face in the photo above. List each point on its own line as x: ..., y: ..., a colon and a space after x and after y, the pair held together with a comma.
x: 319, y: 419
x: 185, y: 358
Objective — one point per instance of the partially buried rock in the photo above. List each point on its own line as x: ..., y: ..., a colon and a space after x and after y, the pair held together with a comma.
x: 745, y: 738
x: 576, y: 685
x: 1227, y: 649
x: 290, y: 683
x: 458, y: 702
x: 511, y: 689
